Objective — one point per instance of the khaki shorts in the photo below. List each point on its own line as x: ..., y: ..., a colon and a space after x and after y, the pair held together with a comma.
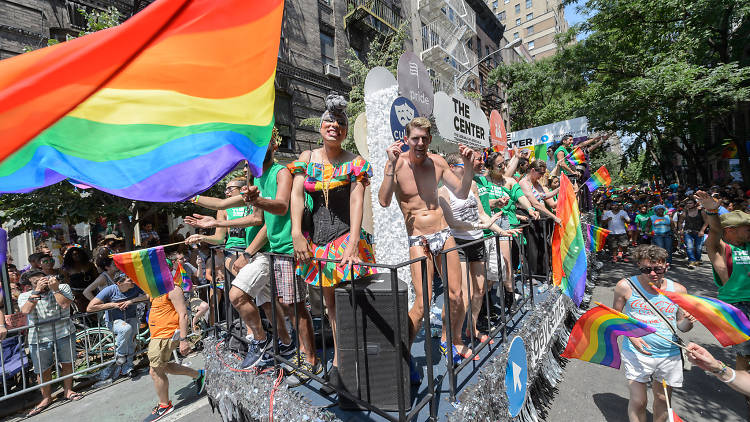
x: 160, y: 351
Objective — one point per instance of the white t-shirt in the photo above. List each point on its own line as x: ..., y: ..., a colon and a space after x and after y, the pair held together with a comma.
x: 616, y: 221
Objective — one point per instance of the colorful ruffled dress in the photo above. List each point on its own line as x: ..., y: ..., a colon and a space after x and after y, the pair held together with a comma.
x: 329, y: 187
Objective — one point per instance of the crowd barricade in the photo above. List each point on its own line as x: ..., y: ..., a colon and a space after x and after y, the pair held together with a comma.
x: 524, y: 281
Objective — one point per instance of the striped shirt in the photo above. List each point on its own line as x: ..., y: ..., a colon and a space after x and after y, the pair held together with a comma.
x: 48, y: 308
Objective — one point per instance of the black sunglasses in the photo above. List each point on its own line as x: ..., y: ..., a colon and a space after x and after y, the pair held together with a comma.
x: 657, y: 270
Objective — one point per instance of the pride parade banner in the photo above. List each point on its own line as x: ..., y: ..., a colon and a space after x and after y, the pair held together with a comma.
x: 537, y: 139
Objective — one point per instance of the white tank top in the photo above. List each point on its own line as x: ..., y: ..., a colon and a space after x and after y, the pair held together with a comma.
x: 466, y: 210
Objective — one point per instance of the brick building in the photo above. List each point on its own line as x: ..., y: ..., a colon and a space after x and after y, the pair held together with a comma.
x: 536, y: 22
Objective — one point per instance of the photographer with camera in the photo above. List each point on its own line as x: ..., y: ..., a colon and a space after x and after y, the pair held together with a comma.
x: 49, y: 300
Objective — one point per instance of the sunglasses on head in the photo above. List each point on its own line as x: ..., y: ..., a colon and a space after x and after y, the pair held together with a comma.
x: 657, y: 270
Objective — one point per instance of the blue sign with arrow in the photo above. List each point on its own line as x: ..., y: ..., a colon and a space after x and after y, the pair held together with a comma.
x: 516, y: 376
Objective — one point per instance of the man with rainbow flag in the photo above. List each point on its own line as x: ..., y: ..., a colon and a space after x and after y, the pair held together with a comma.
x: 651, y: 357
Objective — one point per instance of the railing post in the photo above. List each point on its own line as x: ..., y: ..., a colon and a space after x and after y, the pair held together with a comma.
x: 447, y: 326
x: 399, y: 345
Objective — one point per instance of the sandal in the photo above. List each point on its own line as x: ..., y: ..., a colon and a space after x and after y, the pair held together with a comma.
x: 74, y: 397
x: 465, y: 355
x: 484, y: 337
x: 38, y: 409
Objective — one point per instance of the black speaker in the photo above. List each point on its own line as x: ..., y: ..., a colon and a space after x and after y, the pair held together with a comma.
x: 375, y: 345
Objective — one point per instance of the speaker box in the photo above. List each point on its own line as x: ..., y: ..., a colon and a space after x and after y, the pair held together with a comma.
x: 376, y: 342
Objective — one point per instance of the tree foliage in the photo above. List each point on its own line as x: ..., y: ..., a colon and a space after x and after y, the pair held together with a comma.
x: 666, y: 72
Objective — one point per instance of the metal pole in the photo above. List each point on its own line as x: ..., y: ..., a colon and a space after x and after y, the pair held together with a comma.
x: 428, y: 342
x: 399, y: 346
x: 449, y: 333
x: 274, y: 300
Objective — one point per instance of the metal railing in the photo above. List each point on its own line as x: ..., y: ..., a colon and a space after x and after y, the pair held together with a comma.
x: 522, y: 278
x: 377, y: 9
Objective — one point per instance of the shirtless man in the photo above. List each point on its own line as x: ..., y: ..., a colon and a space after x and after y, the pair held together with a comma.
x: 414, y: 177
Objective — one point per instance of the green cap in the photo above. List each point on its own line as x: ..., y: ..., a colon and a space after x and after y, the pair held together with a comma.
x: 735, y: 219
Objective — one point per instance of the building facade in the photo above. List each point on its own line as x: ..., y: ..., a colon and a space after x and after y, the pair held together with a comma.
x: 536, y: 22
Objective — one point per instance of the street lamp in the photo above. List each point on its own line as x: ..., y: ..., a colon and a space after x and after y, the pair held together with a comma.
x: 514, y: 43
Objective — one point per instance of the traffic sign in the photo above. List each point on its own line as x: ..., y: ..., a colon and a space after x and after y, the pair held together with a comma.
x: 516, y: 376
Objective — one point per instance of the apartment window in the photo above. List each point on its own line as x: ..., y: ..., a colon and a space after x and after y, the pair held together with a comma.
x: 528, y: 4
x: 530, y: 30
x: 326, y: 49
x: 518, y: 21
x: 518, y: 8
x: 515, y: 35
x: 531, y: 45
x: 479, y: 46
x: 501, y: 16
x: 494, y: 4
x: 529, y: 16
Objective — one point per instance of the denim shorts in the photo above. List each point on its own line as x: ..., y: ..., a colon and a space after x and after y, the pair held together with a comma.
x: 43, y: 353
x: 742, y: 348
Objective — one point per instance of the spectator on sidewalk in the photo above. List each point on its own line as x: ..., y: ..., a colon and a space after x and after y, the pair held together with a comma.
x: 168, y: 323
x: 49, y: 342
x: 616, y: 220
x: 694, y: 227
x: 149, y: 237
x: 119, y: 301
x: 651, y: 358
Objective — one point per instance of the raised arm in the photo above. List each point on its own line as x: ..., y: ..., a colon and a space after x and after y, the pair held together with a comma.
x: 714, y: 245
x: 278, y: 205
x: 460, y: 187
x: 99, y: 283
x: 207, y: 222
x: 217, y: 203
x: 385, y: 193
x: 526, y: 189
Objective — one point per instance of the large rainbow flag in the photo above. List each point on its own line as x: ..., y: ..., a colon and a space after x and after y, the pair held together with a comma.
x: 148, y: 269
x: 728, y: 324
x: 598, y: 179
x: 182, y: 91
x: 568, y: 245
x: 594, y: 336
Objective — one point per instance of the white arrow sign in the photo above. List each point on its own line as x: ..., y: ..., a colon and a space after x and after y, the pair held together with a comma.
x: 517, y: 377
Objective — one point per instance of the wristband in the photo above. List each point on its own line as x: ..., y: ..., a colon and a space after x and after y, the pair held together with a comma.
x: 195, y: 199
x: 711, y: 213
x: 734, y: 375
x: 2, y: 325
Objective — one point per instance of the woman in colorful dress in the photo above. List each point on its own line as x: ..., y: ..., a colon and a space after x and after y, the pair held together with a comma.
x: 335, y: 180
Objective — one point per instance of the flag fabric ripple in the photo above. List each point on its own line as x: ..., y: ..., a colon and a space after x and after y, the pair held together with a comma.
x: 594, y: 335
x: 568, y: 245
x: 148, y: 269
x: 156, y: 109
x: 598, y: 179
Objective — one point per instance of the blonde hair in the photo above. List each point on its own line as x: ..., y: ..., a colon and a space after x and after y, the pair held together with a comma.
x: 419, y: 122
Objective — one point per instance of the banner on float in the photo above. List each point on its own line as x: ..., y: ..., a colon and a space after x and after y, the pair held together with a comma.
x: 459, y: 121
x: 498, y: 135
x: 548, y: 134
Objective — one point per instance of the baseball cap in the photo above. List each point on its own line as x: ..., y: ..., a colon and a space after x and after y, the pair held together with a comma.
x: 734, y: 219
x: 112, y: 236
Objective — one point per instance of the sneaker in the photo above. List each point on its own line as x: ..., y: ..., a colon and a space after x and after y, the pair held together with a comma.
x: 256, y: 352
x: 444, y: 352
x: 691, y: 265
x: 287, y: 351
x: 159, y: 412
x: 296, y: 377
x: 200, y: 382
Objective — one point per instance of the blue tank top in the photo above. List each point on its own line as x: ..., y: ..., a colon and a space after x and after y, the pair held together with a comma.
x: 637, y: 308
x: 661, y: 225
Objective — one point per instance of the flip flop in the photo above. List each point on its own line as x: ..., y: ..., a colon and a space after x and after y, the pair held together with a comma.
x: 484, y: 338
x: 37, y: 410
x: 74, y: 397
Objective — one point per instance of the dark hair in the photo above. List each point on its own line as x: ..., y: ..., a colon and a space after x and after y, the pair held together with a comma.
x: 69, y: 262
x: 566, y: 136
x: 26, y: 277
x: 491, y: 158
x: 103, y: 260
x: 538, y: 165
x: 36, y: 256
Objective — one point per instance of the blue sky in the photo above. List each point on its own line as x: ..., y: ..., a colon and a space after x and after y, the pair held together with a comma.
x: 573, y: 17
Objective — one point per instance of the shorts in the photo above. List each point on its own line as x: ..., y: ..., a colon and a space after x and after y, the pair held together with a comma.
x: 643, y: 368
x: 742, y: 349
x: 287, y: 282
x: 160, y: 351
x: 616, y: 240
x: 43, y: 353
x: 504, y: 224
x: 255, y: 279
x: 491, y: 268
x: 473, y: 253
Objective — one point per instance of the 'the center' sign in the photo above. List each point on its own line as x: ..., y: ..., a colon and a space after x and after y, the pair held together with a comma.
x: 459, y: 121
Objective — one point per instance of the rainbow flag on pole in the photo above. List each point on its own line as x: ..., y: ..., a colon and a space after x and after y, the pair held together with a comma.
x: 728, y: 324
x: 576, y: 157
x: 598, y: 179
x: 594, y: 336
x: 183, y: 90
x: 596, y: 236
x: 568, y: 245
x: 182, y: 279
x: 148, y: 269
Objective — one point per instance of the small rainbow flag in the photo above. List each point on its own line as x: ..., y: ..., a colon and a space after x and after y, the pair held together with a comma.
x: 728, y: 324
x: 594, y: 336
x: 596, y: 238
x: 182, y: 279
x: 129, y: 109
x: 576, y: 157
x: 148, y: 269
x: 598, y: 179
x: 568, y: 245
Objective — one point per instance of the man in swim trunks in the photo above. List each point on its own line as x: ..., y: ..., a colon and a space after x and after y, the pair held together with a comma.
x: 414, y: 177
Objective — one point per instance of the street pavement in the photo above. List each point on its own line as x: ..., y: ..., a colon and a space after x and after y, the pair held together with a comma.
x: 591, y: 392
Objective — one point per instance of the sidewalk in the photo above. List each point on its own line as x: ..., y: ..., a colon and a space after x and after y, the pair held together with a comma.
x: 591, y: 392
x: 127, y: 400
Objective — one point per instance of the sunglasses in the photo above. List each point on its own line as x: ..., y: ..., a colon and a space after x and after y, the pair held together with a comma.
x: 657, y: 270
x: 47, y: 260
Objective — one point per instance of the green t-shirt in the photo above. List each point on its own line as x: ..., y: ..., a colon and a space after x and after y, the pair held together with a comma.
x: 483, y: 187
x: 565, y: 152
x: 641, y: 220
x: 251, y: 232
x: 236, y: 237
x: 510, y: 209
x: 278, y: 227
x: 737, y: 288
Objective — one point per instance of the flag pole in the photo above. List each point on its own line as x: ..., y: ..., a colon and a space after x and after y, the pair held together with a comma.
x: 659, y: 335
x: 666, y: 396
